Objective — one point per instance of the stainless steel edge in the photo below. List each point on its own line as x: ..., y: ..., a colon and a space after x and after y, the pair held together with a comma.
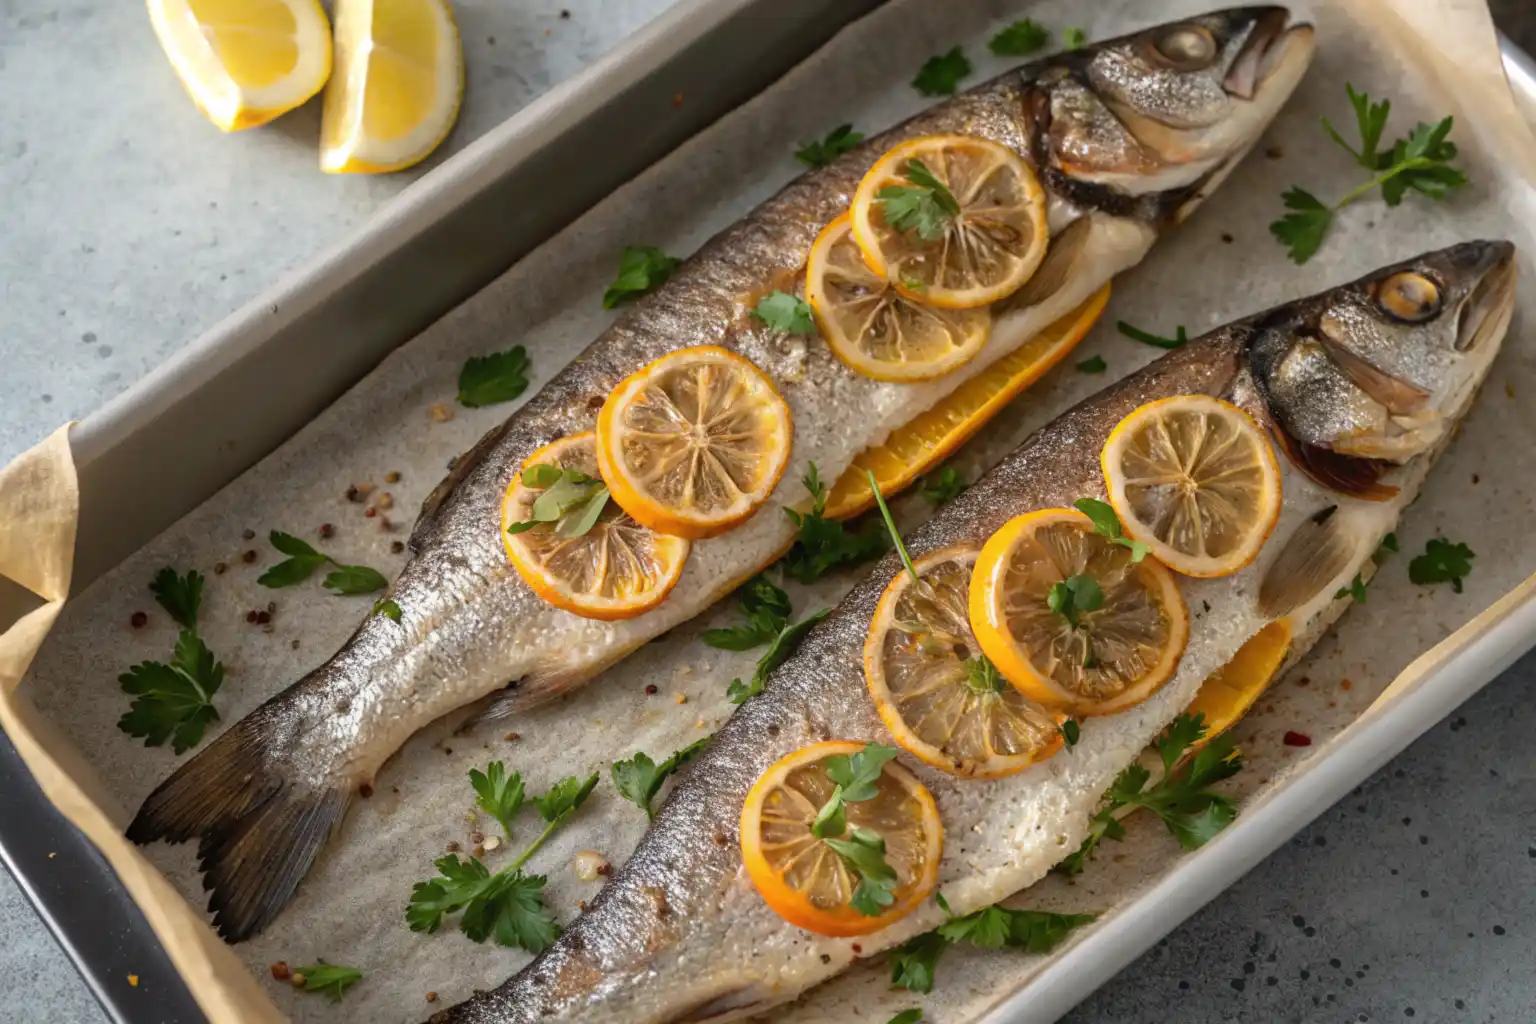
x: 245, y: 386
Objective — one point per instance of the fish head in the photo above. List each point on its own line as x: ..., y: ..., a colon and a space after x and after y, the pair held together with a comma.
x: 1380, y: 370
x: 1164, y: 112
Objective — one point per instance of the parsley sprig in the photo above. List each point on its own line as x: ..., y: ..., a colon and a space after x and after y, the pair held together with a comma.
x: 498, y: 794
x: 1420, y: 162
x: 1020, y: 39
x: 332, y: 979
x: 508, y: 905
x: 1107, y: 524
x: 941, y: 75
x: 1182, y: 797
x: 174, y: 700
x: 819, y: 153
x: 1036, y: 931
x: 785, y: 312
x: 861, y: 850
x: 767, y: 609
x: 639, y: 779
x: 925, y: 207
x: 943, y: 486
x: 642, y: 269
x: 571, y: 500
x: 779, y: 650
x: 1441, y: 562
x: 498, y: 377
x: 303, y: 560
x: 823, y: 544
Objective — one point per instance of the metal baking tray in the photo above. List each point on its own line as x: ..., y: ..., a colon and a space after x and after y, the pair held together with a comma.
x: 433, y: 246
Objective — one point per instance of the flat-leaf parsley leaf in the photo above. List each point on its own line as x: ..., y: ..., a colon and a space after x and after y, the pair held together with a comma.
x: 1441, y: 562
x: 498, y: 377
x: 1020, y: 39
x: 332, y: 979
x: 175, y: 701
x: 819, y: 153
x: 639, y: 779
x: 641, y: 269
x: 940, y: 76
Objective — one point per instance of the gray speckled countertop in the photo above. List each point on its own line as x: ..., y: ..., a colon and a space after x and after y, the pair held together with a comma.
x: 132, y: 225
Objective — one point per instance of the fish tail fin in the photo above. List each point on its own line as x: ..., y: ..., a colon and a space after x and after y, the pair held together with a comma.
x: 260, y: 826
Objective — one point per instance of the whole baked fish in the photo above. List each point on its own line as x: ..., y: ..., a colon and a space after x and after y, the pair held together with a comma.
x: 1127, y: 136
x: 1368, y: 380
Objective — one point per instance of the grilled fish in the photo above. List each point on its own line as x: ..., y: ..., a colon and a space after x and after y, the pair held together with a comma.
x: 1127, y: 137
x: 681, y: 935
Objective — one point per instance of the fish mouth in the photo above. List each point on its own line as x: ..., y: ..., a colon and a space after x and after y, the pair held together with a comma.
x: 1486, y: 311
x: 1273, y: 45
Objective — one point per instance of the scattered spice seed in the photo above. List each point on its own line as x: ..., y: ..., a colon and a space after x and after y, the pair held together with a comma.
x: 680, y: 698
x: 589, y: 864
x: 440, y: 413
x: 1227, y: 237
x: 386, y: 524
x: 295, y: 644
x: 565, y: 15
x: 477, y: 838
x: 396, y: 547
x: 1274, y: 152
x: 139, y: 620
x: 478, y: 852
x: 327, y: 531
x: 650, y: 689
x: 262, y: 618
x: 248, y: 534
x: 280, y: 971
x: 298, y: 979
x: 365, y: 791
x: 491, y: 842
x: 677, y: 100
x: 219, y: 568
x: 452, y: 847
x: 1345, y: 684
x: 248, y: 557
x: 513, y: 737
x: 371, y: 513
x: 431, y: 997
x: 1297, y: 739
x: 250, y: 616
x: 392, y: 477
x: 386, y: 501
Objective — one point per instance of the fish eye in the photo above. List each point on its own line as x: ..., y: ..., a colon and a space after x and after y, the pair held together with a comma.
x: 1409, y: 297
x: 1184, y: 48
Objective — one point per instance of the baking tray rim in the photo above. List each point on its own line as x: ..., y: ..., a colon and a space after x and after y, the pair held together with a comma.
x: 1351, y: 757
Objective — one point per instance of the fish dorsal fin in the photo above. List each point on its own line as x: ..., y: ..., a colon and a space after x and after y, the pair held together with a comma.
x: 1320, y: 550
x: 460, y: 469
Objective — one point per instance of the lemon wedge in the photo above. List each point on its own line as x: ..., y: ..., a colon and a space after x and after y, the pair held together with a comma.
x: 398, y: 85
x: 244, y: 62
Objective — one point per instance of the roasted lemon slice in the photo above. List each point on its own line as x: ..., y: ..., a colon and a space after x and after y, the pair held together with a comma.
x: 1228, y: 693
x: 875, y: 329
x: 397, y: 88
x: 919, y: 445
x: 244, y: 62
x: 614, y: 569
x: 1195, y: 479
x: 952, y: 221
x: 801, y: 877
x: 694, y: 443
x: 1070, y: 619
x: 935, y: 690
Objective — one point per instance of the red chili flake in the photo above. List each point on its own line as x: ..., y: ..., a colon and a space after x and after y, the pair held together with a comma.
x: 281, y: 971
x: 650, y: 690
x: 327, y: 531
x: 248, y: 557
x: 1345, y: 684
x: 857, y: 949
x: 513, y: 737
x: 139, y: 620
x: 371, y: 513
x: 365, y: 791
x: 1297, y: 739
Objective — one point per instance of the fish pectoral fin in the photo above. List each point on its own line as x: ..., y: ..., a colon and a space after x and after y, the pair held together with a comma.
x: 260, y: 828
x: 1057, y: 267
x: 732, y: 1004
x: 1323, y: 547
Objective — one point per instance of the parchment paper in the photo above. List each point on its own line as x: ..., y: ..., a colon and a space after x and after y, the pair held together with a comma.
x: 1431, y: 57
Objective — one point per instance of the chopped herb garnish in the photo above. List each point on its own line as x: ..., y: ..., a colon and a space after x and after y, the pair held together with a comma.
x: 303, y: 560
x: 498, y: 794
x: 1421, y: 162
x: 508, y: 905
x: 1107, y: 524
x: 1073, y: 596
x: 1181, y: 798
x: 1388, y: 546
x: 890, y: 526
x: 981, y: 676
x: 180, y: 596
x: 1180, y: 338
x: 782, y: 647
x: 787, y: 313
x: 173, y: 701
x: 1070, y: 731
x: 499, y: 377
x: 819, y: 153
x: 387, y: 608
x: 1036, y: 931
x: 332, y: 979
x: 1073, y: 38
x: 767, y: 609
x: 863, y: 851
x: 926, y: 206
x: 1356, y: 590
x: 564, y: 798
x: 911, y: 1015
x: 1020, y: 39
x: 940, y: 76
x: 943, y: 486
x: 823, y: 544
x: 1093, y: 364
x: 639, y: 779
x: 571, y: 499
x: 641, y: 268
x: 1441, y: 562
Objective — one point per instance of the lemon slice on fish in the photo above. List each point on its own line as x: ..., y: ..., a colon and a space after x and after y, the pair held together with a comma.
x: 244, y: 62
x: 694, y: 443
x: 1106, y: 640
x: 801, y: 877
x: 875, y: 329
x: 616, y: 569
x: 397, y: 88
x: 1228, y: 693
x: 1195, y: 479
x: 922, y: 443
x: 952, y: 221
x: 937, y: 693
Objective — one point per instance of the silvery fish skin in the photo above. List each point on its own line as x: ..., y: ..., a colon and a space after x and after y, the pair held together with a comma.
x: 680, y: 934
x: 1128, y: 137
